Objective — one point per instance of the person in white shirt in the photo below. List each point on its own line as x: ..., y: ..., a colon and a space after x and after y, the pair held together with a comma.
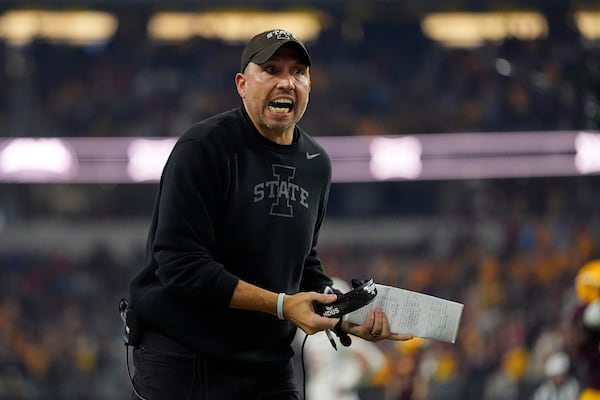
x: 559, y: 384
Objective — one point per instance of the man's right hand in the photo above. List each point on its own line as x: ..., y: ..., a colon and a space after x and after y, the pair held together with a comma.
x: 298, y: 308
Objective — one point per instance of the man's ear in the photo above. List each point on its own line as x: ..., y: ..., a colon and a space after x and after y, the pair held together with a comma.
x: 240, y: 84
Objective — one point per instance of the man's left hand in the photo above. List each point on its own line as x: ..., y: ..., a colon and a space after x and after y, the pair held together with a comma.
x: 375, y: 328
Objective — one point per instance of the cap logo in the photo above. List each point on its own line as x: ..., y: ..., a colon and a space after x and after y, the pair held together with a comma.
x: 280, y: 34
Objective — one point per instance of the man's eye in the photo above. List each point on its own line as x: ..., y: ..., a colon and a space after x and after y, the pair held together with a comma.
x: 270, y: 69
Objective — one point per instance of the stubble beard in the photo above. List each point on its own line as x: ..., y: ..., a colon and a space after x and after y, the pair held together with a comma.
x: 283, y: 128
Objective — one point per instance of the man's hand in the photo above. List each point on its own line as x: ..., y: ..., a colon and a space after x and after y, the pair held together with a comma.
x: 298, y: 309
x: 375, y: 328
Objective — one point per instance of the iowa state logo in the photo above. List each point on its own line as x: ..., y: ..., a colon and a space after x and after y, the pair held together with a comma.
x: 282, y: 192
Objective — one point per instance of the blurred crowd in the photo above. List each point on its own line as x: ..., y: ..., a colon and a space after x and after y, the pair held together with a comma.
x: 60, y: 336
x: 60, y: 332
x: 381, y: 77
x: 519, y: 300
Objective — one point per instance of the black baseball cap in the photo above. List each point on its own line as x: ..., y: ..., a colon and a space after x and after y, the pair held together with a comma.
x: 262, y: 47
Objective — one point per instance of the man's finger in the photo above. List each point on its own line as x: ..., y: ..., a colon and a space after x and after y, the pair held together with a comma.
x: 400, y: 336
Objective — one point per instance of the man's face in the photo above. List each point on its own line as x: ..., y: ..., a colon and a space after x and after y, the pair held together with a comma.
x: 276, y: 93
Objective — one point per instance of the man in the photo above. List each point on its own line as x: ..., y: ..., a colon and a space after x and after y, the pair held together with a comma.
x: 585, y: 339
x: 231, y: 268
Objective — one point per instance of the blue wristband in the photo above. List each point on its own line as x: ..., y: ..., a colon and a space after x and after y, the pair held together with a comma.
x: 280, y: 306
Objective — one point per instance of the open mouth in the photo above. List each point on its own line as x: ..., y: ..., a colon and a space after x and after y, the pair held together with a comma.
x: 281, y: 106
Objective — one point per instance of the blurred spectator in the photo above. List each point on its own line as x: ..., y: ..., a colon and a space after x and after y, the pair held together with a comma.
x: 559, y: 385
x: 508, y: 381
x: 440, y: 370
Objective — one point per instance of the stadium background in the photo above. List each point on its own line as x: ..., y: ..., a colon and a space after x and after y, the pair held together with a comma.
x: 508, y: 248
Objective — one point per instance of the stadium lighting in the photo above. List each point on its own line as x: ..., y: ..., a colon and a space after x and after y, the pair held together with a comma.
x: 587, y: 159
x: 588, y: 23
x: 395, y: 157
x: 147, y: 158
x: 19, y: 27
x: 36, y: 160
x: 231, y: 25
x: 444, y: 156
x: 471, y: 29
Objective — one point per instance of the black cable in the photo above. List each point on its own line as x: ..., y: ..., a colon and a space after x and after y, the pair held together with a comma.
x: 129, y: 373
x: 303, y: 367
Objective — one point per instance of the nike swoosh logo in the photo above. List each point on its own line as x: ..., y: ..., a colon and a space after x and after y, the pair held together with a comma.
x: 311, y: 156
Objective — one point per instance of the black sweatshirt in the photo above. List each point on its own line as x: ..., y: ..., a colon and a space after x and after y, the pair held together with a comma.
x: 232, y: 205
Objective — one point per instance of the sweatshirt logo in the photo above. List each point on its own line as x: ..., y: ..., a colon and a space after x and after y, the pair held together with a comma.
x: 282, y: 192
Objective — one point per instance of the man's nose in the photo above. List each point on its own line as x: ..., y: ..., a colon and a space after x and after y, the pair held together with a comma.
x: 286, y: 81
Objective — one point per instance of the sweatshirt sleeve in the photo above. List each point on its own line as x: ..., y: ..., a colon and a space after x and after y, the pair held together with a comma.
x: 188, y: 212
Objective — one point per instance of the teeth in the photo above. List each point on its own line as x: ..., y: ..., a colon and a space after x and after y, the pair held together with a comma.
x: 279, y: 110
x: 280, y: 105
